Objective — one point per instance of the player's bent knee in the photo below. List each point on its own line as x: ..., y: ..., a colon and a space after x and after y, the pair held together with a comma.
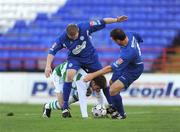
x: 70, y: 78
x: 116, y: 87
x: 112, y: 92
x: 70, y: 75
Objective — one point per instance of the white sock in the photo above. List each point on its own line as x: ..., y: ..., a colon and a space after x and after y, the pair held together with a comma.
x: 82, y: 88
x: 47, y: 106
x: 74, y: 96
x: 53, y: 105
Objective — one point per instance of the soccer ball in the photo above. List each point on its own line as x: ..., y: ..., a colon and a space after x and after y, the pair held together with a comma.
x: 99, y: 111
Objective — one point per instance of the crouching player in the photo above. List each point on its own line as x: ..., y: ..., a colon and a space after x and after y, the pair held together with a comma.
x: 79, y: 91
x: 125, y: 70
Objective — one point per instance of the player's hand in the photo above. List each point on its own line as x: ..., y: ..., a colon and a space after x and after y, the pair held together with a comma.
x: 48, y: 71
x: 110, y: 82
x: 122, y: 18
x: 88, y: 77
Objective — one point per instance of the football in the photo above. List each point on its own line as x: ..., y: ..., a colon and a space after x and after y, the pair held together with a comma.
x: 99, y: 111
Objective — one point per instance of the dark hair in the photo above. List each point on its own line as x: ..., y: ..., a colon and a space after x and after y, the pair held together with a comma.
x: 101, y: 81
x: 72, y: 29
x: 118, y: 34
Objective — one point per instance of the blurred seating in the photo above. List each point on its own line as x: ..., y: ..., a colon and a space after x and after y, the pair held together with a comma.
x: 33, y: 23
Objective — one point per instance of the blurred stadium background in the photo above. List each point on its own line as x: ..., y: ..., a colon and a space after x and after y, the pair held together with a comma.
x: 28, y: 28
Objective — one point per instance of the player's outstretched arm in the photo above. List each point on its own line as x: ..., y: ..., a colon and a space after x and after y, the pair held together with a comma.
x: 115, y: 20
x: 48, y: 69
x: 93, y: 75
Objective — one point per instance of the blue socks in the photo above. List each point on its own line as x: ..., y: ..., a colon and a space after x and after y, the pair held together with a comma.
x: 66, y: 92
x: 117, y: 102
x: 107, y: 95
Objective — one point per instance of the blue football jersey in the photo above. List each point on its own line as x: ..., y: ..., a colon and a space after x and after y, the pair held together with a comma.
x: 81, y: 47
x: 130, y: 56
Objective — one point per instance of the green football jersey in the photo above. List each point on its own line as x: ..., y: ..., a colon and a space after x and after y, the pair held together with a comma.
x: 62, y: 72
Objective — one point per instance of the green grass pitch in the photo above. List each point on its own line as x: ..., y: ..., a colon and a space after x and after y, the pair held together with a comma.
x: 27, y: 118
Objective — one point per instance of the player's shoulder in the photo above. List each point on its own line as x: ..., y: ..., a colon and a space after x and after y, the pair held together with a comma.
x: 136, y: 35
x: 127, y: 52
x: 83, y: 26
x: 63, y: 39
x: 63, y: 35
x: 132, y: 34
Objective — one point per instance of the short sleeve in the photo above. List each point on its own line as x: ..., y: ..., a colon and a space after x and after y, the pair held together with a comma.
x: 138, y: 37
x: 122, y: 61
x: 94, y: 25
x: 57, y: 45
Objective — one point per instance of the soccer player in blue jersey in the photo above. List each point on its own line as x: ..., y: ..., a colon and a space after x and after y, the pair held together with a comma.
x: 82, y: 54
x: 126, y: 69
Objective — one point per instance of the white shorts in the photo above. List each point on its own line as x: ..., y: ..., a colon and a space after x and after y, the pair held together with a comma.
x: 58, y: 82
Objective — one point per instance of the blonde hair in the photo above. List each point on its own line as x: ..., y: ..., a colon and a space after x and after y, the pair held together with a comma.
x: 72, y: 29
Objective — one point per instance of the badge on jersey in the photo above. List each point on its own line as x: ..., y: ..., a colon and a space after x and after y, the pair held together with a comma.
x: 95, y: 23
x: 119, y: 61
x: 70, y: 65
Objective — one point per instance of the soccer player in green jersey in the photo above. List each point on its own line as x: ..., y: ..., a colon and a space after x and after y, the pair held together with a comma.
x: 79, y: 91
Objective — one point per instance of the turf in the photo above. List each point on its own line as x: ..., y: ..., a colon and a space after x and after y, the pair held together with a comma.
x: 27, y: 118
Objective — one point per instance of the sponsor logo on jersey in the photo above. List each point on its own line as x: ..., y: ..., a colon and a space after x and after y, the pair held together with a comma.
x: 79, y: 48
